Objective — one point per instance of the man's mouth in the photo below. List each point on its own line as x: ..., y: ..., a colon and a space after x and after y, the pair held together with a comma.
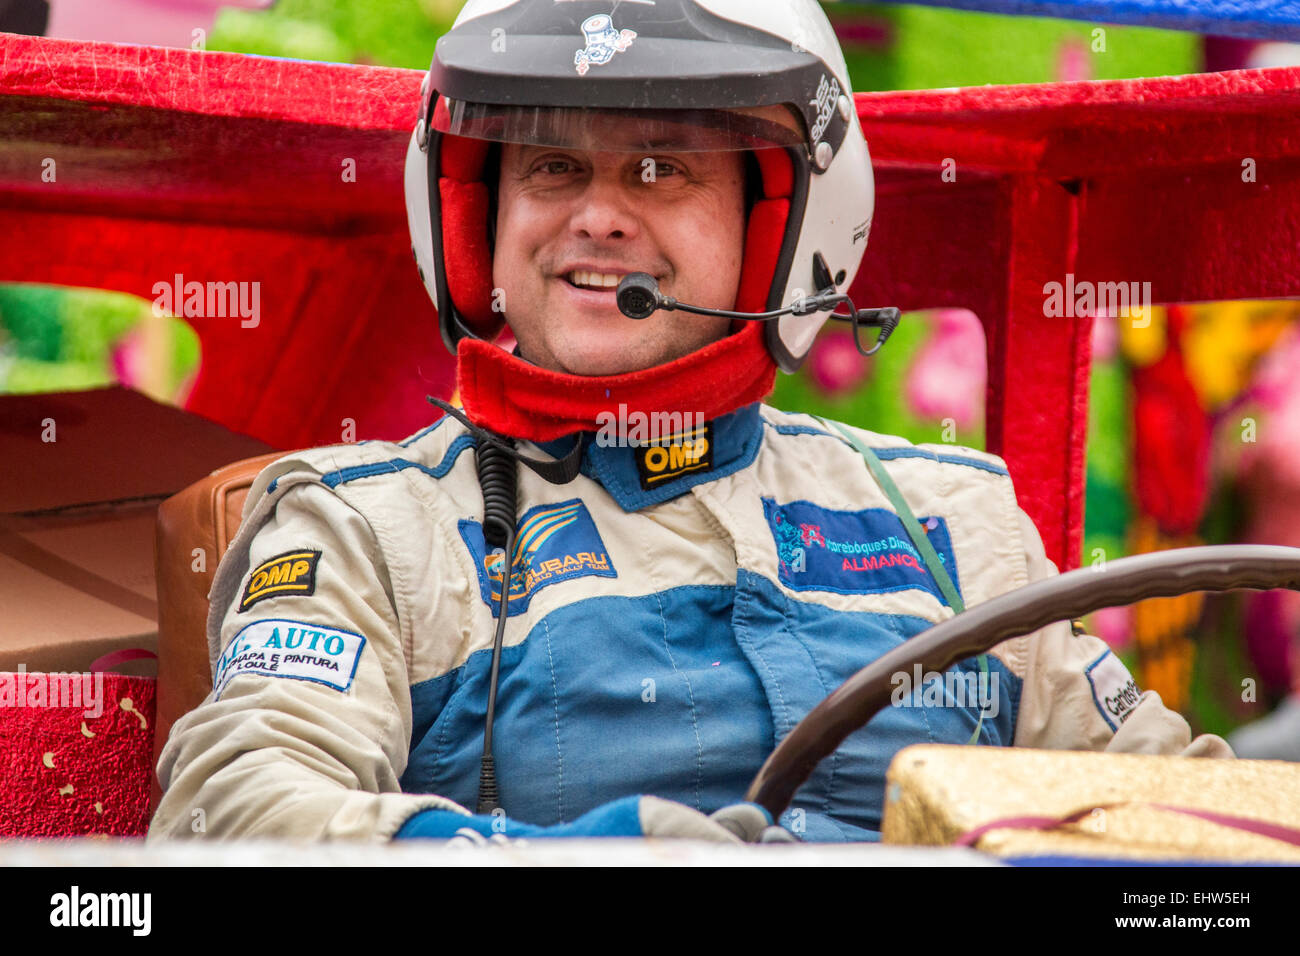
x: 594, y: 281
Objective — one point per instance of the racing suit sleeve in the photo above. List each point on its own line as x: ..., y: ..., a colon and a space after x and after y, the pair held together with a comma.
x: 1077, y: 695
x: 294, y: 743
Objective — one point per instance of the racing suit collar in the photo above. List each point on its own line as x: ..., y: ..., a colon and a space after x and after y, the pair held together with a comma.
x: 731, y: 443
x: 508, y: 395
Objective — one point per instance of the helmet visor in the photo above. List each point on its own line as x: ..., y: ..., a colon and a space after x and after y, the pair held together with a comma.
x: 586, y: 128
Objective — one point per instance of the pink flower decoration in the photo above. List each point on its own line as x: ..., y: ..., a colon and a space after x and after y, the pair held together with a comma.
x: 947, y: 378
x: 152, y: 22
x: 835, y: 364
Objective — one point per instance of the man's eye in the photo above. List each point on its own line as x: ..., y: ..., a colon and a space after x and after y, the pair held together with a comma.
x: 661, y: 169
x: 555, y: 167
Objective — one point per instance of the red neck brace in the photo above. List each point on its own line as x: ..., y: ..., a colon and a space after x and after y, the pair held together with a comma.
x: 514, y: 398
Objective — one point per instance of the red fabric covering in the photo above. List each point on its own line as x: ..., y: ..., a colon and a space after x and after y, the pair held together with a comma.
x: 515, y: 398
x: 99, y: 778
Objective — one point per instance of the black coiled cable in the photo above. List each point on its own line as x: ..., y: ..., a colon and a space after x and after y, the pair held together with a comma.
x: 498, y: 478
x: 496, y: 459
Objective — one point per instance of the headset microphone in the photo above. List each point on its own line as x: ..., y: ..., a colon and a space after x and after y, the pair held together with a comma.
x: 638, y: 297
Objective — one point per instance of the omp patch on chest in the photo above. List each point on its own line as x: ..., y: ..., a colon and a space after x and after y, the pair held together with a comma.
x: 853, y: 552
x: 293, y: 649
x: 553, y: 543
x: 1114, y: 690
x: 293, y: 572
x: 684, y: 453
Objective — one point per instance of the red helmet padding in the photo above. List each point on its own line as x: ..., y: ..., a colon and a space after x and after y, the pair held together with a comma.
x: 465, y: 253
x: 462, y: 158
x: 468, y: 261
x: 762, y: 249
x: 466, y: 256
x: 778, y: 173
x: 766, y: 231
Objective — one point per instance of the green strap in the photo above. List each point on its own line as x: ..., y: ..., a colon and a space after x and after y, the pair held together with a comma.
x: 914, y: 530
x: 918, y: 536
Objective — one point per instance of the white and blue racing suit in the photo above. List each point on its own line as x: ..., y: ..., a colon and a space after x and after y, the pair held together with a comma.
x: 673, y: 614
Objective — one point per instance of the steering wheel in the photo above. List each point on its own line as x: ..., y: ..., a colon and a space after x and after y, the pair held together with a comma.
x: 1018, y: 612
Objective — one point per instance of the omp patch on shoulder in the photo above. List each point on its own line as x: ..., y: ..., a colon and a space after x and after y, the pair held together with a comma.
x: 671, y: 456
x: 553, y: 543
x: 854, y: 552
x: 294, y: 649
x: 1114, y: 690
x: 293, y: 572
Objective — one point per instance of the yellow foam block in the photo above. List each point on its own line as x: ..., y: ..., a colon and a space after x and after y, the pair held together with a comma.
x: 934, y: 794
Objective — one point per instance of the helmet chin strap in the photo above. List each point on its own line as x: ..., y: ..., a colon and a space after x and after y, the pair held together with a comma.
x: 506, y: 395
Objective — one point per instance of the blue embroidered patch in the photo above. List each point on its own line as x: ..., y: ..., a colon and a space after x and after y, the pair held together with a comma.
x: 1114, y: 692
x: 552, y: 543
x: 295, y: 649
x: 853, y: 552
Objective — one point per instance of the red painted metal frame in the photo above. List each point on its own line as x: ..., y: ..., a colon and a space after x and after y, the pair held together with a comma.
x: 221, y: 167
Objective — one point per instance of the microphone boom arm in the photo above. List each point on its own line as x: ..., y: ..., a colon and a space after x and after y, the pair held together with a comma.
x: 639, y: 297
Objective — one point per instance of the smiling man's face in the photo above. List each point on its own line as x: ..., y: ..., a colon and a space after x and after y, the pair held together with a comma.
x: 571, y: 223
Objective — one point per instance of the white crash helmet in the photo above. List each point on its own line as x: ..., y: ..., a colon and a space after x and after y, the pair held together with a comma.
x: 701, y: 74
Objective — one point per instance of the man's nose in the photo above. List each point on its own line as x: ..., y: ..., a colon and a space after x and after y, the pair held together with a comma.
x: 605, y: 210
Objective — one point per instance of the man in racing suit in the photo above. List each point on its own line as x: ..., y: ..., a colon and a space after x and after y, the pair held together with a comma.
x: 678, y: 605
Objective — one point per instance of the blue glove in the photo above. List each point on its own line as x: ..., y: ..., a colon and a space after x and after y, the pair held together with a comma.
x: 619, y: 818
x: 636, y: 816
